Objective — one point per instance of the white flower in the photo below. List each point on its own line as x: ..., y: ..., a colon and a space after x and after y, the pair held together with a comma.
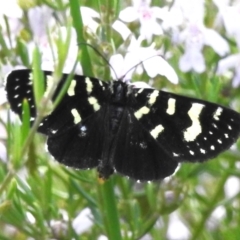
x: 13, y: 13
x: 230, y: 62
x: 230, y: 16
x: 195, y: 36
x: 177, y: 229
x: 88, y: 15
x: 189, y: 15
x: 40, y: 19
x: 83, y: 221
x: 49, y: 51
x: 150, y: 59
x: 147, y: 17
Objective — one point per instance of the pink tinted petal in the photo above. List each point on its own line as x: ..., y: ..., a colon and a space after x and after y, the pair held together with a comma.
x: 129, y: 14
x: 216, y: 41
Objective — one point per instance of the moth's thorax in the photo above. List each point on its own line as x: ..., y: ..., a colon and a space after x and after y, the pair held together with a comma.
x: 119, y: 93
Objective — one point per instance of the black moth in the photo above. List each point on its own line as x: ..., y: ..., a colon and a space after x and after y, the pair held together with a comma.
x: 138, y: 132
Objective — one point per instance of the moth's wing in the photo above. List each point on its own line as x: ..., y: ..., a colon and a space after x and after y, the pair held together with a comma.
x: 137, y: 154
x: 19, y: 87
x: 188, y: 129
x: 84, y: 97
x: 79, y: 146
x: 74, y: 106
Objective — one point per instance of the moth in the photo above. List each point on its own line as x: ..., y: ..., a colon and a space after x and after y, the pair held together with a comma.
x: 142, y: 133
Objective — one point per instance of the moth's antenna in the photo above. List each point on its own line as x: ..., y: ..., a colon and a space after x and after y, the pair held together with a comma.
x: 100, y: 54
x: 140, y: 62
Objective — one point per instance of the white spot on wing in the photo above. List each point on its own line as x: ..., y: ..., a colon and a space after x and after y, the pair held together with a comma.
x: 53, y: 131
x: 139, y: 113
x: 195, y: 129
x: 202, y: 151
x: 156, y: 131
x: 226, y: 135
x: 217, y: 113
x: 171, y: 106
x: 212, y: 147
x: 71, y: 88
x: 76, y: 116
x: 191, y: 152
x: 175, y: 154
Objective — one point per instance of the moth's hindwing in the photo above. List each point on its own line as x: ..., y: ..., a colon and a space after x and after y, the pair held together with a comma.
x: 188, y: 129
x: 137, y: 154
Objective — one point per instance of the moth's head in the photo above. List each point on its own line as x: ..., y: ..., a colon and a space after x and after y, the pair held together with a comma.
x: 119, y: 91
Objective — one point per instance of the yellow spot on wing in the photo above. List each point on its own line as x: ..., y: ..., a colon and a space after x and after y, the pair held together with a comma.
x: 171, y: 106
x: 94, y: 102
x: 139, y: 113
x: 89, y: 84
x: 76, y: 116
x: 153, y: 97
x: 71, y: 88
x: 191, y: 133
x: 156, y: 131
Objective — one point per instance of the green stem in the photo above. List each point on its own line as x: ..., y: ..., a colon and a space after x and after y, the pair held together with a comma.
x: 78, y: 25
x: 110, y: 213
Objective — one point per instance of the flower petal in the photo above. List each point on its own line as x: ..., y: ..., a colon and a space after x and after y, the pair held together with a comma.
x: 122, y: 29
x: 158, y: 65
x: 216, y: 41
x: 229, y: 62
x: 128, y: 14
x: 83, y: 221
